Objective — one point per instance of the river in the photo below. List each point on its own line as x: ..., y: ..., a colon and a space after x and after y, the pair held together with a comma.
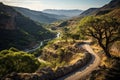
x: 37, y: 46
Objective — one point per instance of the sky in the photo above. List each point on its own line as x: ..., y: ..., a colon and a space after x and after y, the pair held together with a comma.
x: 56, y: 4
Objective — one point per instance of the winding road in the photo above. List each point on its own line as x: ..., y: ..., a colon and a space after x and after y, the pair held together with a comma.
x: 83, y: 72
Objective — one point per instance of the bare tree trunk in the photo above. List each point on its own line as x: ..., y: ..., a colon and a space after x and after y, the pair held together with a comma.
x: 106, y: 49
x: 107, y: 53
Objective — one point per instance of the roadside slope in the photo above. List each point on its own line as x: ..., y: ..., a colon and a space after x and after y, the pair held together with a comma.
x: 86, y: 70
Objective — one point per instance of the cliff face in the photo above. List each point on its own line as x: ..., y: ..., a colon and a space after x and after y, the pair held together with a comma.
x: 7, y: 17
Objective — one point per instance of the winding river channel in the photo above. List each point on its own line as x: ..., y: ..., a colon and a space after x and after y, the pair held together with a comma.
x: 37, y: 46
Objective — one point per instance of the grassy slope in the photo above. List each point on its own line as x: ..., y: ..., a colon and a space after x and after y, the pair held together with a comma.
x: 60, y: 53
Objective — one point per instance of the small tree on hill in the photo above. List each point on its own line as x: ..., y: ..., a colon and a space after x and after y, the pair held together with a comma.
x: 105, y: 30
x: 65, y: 34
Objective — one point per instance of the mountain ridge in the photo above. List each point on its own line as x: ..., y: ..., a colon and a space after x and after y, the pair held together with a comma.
x: 19, y: 31
x: 113, y: 4
x: 89, y: 12
x: 70, y: 13
x: 39, y: 16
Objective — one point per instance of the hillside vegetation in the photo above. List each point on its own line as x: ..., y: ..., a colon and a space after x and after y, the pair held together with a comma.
x: 19, y: 31
x: 103, y: 27
x: 60, y: 53
x: 13, y: 60
x: 109, y: 67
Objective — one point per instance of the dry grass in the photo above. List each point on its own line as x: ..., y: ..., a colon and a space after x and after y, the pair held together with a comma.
x: 115, y: 49
x: 96, y: 48
x: 107, y: 62
x: 76, y: 57
x: 53, y: 53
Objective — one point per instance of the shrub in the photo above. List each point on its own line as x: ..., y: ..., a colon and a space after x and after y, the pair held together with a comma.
x: 17, y: 62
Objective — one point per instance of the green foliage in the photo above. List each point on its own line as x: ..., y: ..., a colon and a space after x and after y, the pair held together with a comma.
x: 104, y: 29
x: 4, y: 52
x: 66, y: 34
x: 14, y: 38
x: 63, y: 24
x: 19, y: 31
x: 85, y: 20
x: 17, y: 61
x: 37, y: 53
x: 43, y: 65
x: 33, y: 28
x: 13, y: 49
x: 64, y: 54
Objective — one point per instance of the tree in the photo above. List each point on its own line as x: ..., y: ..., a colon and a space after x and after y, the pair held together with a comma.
x: 65, y: 34
x: 105, y: 30
x: 17, y: 61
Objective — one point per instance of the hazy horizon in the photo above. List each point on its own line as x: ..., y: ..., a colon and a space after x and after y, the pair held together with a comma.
x: 40, y: 5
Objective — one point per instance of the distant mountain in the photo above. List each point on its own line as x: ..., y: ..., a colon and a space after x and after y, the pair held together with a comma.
x: 69, y: 13
x: 114, y: 4
x: 88, y: 12
x: 19, y: 31
x: 39, y: 16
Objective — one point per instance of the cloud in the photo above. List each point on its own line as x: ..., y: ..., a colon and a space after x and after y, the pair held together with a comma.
x: 31, y: 4
x: 55, y: 4
x: 19, y: 1
x: 8, y: 0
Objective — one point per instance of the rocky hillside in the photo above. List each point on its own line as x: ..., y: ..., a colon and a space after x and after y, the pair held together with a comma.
x: 19, y: 31
x: 114, y: 4
x: 88, y: 12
